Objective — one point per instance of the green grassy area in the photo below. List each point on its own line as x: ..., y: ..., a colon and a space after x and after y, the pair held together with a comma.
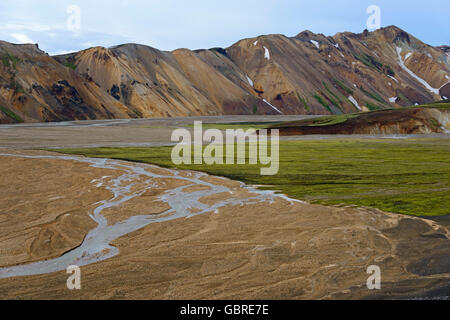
x: 369, y: 61
x: 70, y: 62
x: 338, y: 101
x: 11, y: 114
x: 322, y: 102
x: 343, y: 87
x: 402, y: 97
x: 373, y: 95
x: 403, y: 176
x: 303, y: 101
x: 70, y: 65
x: 9, y: 61
x: 372, y: 62
x: 373, y: 107
x: 445, y: 104
x: 255, y: 108
x: 138, y: 113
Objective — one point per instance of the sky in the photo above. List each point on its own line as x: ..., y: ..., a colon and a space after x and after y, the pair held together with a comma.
x: 61, y: 26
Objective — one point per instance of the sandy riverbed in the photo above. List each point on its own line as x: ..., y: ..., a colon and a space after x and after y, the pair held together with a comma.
x: 257, y: 245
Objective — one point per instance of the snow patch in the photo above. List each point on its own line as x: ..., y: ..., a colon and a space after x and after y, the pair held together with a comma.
x: 393, y: 99
x: 314, y: 42
x: 409, y: 54
x: 412, y: 74
x: 250, y: 81
x: 337, y: 45
x: 266, y: 53
x: 255, y: 43
x: 341, y: 55
x: 393, y: 78
x: 355, y: 103
x: 445, y: 130
x: 275, y: 108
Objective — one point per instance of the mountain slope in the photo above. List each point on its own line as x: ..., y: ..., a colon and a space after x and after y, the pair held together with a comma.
x: 345, y: 72
x: 306, y: 74
x: 34, y: 86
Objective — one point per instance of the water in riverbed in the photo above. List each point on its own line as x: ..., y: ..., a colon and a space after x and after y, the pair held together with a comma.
x: 96, y: 246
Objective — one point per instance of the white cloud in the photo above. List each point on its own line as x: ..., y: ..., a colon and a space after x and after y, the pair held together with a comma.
x: 31, y: 26
x: 61, y: 52
x: 22, y: 38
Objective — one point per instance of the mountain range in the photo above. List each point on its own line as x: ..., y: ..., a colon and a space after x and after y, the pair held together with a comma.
x: 271, y: 74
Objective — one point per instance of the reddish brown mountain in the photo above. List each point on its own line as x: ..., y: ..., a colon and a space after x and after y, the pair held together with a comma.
x: 306, y: 74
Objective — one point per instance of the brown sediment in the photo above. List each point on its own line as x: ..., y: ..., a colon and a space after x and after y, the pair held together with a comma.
x: 196, y: 188
x: 44, y: 207
x: 263, y: 250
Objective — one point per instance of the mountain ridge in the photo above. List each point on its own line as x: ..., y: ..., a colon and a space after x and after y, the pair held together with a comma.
x: 268, y: 74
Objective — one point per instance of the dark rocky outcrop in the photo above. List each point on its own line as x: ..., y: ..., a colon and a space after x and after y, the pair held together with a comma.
x: 396, y: 121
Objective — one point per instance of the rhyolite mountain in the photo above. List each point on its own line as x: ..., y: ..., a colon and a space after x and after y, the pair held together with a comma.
x: 306, y: 74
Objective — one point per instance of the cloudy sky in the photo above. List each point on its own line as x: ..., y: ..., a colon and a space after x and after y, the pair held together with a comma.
x: 61, y: 26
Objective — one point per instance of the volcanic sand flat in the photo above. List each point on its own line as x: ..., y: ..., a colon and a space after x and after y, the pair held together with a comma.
x: 274, y: 249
